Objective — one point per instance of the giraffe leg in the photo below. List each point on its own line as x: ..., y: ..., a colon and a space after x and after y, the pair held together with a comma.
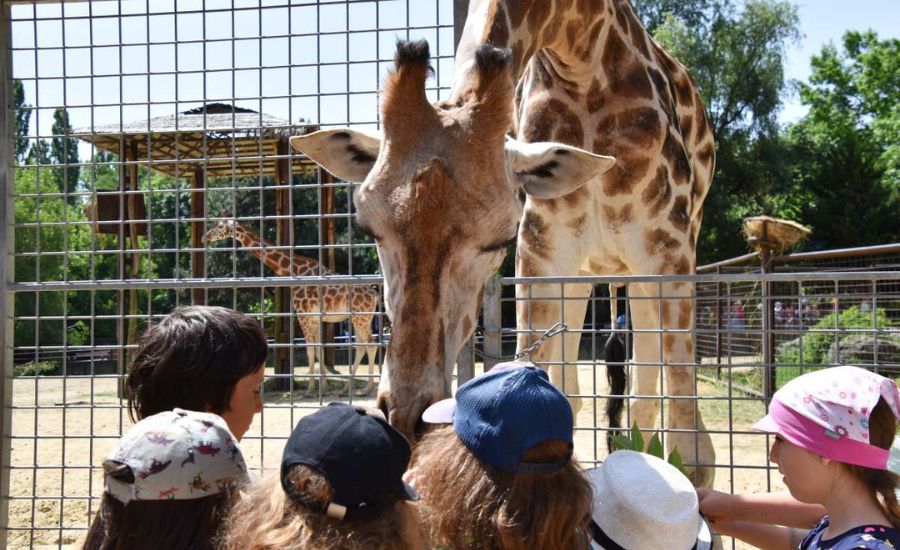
x: 672, y: 347
x: 545, y: 308
x: 361, y: 327
x: 310, y: 328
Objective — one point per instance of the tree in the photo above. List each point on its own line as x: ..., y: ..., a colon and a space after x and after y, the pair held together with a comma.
x: 847, y: 148
x: 64, y: 151
x: 736, y: 58
x: 23, y: 118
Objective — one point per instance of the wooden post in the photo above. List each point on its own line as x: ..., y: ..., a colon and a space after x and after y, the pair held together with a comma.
x: 134, y: 257
x: 768, y: 318
x: 283, y: 237
x: 465, y: 362
x: 198, y: 228
x: 121, y: 329
x: 326, y: 239
x: 493, y: 322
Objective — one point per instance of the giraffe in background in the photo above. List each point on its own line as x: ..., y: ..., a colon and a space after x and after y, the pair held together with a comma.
x: 580, y: 79
x: 313, y: 304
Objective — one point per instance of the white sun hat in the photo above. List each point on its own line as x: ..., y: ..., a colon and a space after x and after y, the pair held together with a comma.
x: 641, y: 501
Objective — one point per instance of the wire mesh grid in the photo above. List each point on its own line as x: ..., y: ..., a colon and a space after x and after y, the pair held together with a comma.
x: 141, y: 128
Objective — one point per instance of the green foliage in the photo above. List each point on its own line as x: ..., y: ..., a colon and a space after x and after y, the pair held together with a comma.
x: 22, y: 118
x: 38, y: 368
x: 736, y: 57
x: 813, y: 348
x: 64, y: 152
x: 653, y: 448
x: 847, y: 149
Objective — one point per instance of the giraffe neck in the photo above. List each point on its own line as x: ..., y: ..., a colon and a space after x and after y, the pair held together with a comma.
x: 570, y: 35
x: 276, y: 260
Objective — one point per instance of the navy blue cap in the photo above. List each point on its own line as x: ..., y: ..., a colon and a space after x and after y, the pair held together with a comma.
x: 360, y: 454
x: 504, y: 413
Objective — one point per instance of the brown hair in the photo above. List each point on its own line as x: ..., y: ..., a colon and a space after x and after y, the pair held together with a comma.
x: 882, y: 483
x: 264, y: 517
x: 156, y: 524
x: 470, y: 504
x: 192, y: 360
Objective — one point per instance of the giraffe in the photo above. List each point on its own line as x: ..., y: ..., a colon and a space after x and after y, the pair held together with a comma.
x: 338, y: 302
x: 443, y: 189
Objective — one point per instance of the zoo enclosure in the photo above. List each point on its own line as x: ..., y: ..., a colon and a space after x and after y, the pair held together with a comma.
x: 125, y: 104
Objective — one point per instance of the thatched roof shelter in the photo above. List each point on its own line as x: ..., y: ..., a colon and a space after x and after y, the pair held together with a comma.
x: 221, y: 139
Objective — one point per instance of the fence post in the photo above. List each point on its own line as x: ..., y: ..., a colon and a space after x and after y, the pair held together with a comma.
x: 768, y: 318
x: 493, y: 322
x: 6, y: 268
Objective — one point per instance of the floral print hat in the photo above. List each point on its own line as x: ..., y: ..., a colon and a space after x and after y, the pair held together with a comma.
x: 827, y: 412
x: 177, y: 455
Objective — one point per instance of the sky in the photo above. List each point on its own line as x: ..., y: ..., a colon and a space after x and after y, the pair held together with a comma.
x: 267, y: 58
x: 823, y: 21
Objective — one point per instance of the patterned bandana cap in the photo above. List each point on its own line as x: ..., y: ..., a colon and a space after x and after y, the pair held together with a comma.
x: 827, y: 412
x: 177, y: 455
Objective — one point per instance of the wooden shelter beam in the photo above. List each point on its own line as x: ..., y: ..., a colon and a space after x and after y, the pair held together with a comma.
x: 283, y: 237
x: 198, y: 214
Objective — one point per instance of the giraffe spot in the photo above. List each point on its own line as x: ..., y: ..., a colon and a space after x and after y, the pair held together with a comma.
x: 498, y: 34
x: 622, y: 20
x: 640, y: 126
x: 618, y: 217
x: 541, y: 71
x: 666, y: 311
x: 632, y: 165
x: 679, y: 216
x: 551, y: 205
x: 669, y: 343
x: 658, y: 192
x: 706, y: 153
x: 596, y: 97
x: 674, y: 152
x: 533, y: 232
x: 631, y: 80
x: 687, y: 127
x: 661, y: 86
x: 614, y: 51
x: 576, y: 197
x: 685, y: 314
x: 577, y: 225
x: 517, y: 14
x: 585, y: 47
x: 467, y: 325
x: 659, y: 240
x: 554, y: 116
x: 538, y: 16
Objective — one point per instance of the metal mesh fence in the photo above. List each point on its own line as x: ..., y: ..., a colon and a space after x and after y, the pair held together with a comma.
x: 142, y: 127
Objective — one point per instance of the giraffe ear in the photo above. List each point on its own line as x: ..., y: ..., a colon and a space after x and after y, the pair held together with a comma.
x: 548, y: 170
x: 348, y: 154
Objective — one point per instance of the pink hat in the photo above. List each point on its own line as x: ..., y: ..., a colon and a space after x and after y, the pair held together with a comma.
x: 827, y: 412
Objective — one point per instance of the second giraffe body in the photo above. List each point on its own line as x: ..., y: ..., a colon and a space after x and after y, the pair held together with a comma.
x: 314, y: 304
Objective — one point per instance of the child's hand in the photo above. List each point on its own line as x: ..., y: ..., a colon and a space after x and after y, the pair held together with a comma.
x: 717, y: 507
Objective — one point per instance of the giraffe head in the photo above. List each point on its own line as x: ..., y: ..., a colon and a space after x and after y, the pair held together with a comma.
x: 224, y: 229
x: 440, y: 195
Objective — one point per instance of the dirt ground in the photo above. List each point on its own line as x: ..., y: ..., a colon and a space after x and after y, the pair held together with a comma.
x: 62, y: 430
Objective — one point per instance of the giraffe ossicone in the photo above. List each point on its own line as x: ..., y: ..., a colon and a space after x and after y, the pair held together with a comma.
x: 440, y: 193
x: 314, y: 305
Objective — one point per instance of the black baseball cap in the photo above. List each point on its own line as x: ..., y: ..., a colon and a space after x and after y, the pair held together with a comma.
x: 360, y: 454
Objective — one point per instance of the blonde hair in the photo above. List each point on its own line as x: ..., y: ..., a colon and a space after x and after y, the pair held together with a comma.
x: 264, y: 517
x: 467, y: 503
x: 882, y: 483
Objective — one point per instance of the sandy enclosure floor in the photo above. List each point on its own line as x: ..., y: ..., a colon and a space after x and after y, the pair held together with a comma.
x: 62, y: 430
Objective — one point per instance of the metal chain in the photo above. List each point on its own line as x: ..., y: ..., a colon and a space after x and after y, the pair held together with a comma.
x: 558, y: 328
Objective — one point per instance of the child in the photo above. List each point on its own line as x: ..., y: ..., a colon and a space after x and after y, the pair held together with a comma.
x: 200, y: 358
x: 833, y: 431
x: 340, y: 487
x: 502, y: 474
x: 641, y: 501
x: 167, y: 484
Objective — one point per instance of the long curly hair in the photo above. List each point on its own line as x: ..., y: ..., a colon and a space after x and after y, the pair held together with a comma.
x: 265, y: 518
x: 469, y: 504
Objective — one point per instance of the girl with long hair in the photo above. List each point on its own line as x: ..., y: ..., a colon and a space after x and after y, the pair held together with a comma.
x: 502, y: 475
